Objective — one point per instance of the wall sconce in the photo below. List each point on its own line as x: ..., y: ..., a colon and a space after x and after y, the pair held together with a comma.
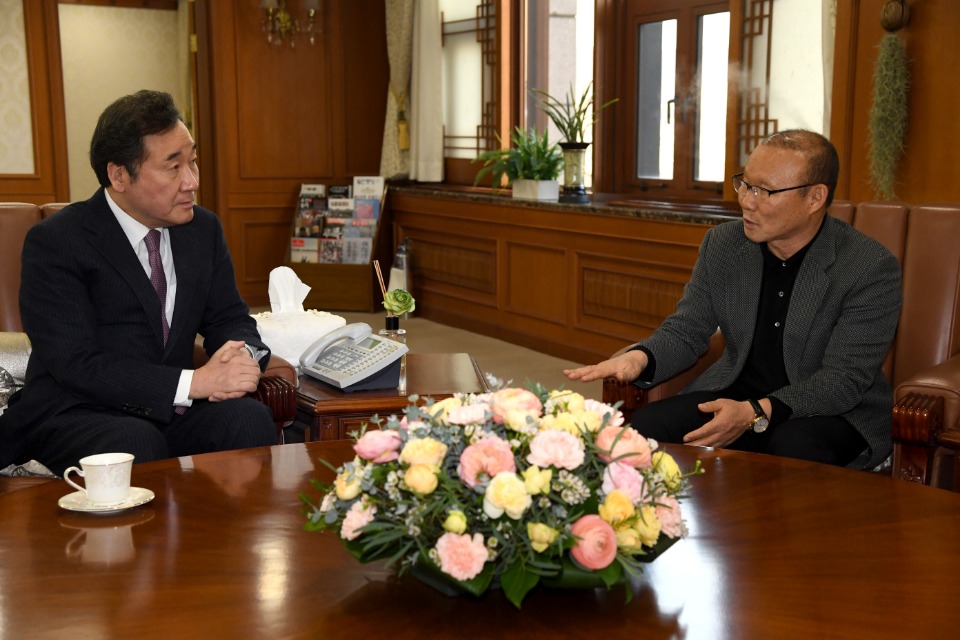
x: 280, y: 25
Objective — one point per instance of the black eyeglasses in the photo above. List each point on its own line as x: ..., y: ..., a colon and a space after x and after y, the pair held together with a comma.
x: 743, y: 188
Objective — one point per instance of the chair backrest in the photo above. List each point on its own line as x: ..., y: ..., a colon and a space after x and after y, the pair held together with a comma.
x: 51, y: 208
x: 16, y: 218
x: 929, y: 331
x: 926, y: 241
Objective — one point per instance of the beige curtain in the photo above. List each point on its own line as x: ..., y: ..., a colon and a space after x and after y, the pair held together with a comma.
x: 395, y: 155
x: 829, y: 35
x: 426, y: 124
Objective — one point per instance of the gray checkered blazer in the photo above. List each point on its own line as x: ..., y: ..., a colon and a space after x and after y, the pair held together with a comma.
x: 842, y: 317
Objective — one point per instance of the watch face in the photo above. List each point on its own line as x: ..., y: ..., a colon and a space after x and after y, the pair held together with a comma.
x: 760, y: 425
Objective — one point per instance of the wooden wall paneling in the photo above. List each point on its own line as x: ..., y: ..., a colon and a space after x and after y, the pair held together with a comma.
x: 928, y: 169
x: 365, y: 83
x: 576, y: 285
x: 49, y: 181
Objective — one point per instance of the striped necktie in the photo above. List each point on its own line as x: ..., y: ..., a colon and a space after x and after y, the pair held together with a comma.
x: 157, y: 278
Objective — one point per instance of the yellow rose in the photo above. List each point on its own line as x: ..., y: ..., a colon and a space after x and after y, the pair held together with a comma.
x: 617, y: 507
x: 648, y: 525
x: 588, y: 420
x: 456, y: 522
x: 444, y: 407
x: 541, y: 536
x: 506, y: 492
x: 566, y: 400
x: 628, y: 540
x: 664, y: 463
x: 347, y: 484
x: 421, y: 478
x: 537, y: 480
x: 424, y: 451
x: 560, y: 422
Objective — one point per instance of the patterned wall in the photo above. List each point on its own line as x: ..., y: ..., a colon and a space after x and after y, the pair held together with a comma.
x: 110, y: 52
x: 16, y: 125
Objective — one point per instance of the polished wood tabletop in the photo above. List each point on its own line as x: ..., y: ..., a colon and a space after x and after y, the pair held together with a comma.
x: 778, y: 548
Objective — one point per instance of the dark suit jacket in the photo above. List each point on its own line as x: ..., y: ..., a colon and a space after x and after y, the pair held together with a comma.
x: 93, y: 317
x: 843, y: 314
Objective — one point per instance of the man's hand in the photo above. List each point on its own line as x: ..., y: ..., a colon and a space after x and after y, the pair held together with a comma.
x: 230, y: 373
x: 624, y: 367
x: 730, y: 421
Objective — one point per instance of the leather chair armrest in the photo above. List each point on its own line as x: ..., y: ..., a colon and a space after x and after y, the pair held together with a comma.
x: 926, y: 402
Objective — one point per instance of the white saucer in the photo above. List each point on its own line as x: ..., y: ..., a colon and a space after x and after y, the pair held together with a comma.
x: 77, y: 501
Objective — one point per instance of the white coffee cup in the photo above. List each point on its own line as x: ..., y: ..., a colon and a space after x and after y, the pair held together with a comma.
x: 107, y: 476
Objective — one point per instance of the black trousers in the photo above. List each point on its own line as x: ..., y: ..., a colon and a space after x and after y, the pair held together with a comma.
x: 827, y: 439
x: 62, y: 440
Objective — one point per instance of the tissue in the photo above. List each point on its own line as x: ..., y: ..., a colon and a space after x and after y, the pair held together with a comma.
x: 288, y: 329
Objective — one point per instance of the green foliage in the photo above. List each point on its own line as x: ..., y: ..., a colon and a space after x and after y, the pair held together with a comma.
x: 531, y: 157
x: 888, y: 114
x: 570, y: 116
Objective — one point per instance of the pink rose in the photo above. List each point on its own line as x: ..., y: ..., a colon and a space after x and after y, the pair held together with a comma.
x: 622, y: 477
x: 378, y: 446
x: 468, y: 414
x: 360, y: 515
x: 557, y: 449
x: 597, y: 544
x: 486, y: 457
x: 623, y: 444
x: 668, y: 510
x: 461, y: 555
x: 513, y: 406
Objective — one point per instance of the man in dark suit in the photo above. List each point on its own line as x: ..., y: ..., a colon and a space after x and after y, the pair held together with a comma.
x: 114, y: 291
x: 807, y: 307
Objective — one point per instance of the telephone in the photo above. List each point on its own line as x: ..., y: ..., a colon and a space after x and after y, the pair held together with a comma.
x: 353, y: 358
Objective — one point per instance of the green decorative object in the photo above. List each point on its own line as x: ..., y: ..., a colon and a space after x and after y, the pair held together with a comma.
x: 888, y: 114
x: 532, y: 157
x: 570, y: 114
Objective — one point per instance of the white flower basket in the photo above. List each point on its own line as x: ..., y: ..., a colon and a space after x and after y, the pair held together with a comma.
x: 548, y: 190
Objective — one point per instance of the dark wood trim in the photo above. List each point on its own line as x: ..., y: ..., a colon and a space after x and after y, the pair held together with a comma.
x: 162, y: 5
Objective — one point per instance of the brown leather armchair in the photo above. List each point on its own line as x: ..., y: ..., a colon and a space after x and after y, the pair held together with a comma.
x: 923, y: 363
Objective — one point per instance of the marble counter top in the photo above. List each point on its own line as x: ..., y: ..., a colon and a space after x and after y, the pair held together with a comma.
x: 710, y: 213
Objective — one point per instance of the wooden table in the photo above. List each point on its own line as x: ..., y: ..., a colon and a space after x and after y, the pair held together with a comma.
x: 331, y: 414
x: 777, y: 549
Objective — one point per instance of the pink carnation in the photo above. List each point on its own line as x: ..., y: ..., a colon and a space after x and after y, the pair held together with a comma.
x: 379, y: 446
x: 671, y: 522
x: 630, y: 448
x: 557, y: 449
x: 597, y: 544
x: 623, y: 477
x: 488, y: 457
x: 468, y: 414
x: 360, y: 515
x: 461, y: 555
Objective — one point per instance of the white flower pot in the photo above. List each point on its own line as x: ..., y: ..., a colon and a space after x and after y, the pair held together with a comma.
x: 536, y: 190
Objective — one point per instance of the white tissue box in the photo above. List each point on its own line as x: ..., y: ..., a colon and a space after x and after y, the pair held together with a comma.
x: 289, y: 334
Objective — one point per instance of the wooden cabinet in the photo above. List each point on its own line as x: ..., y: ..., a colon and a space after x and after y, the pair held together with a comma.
x: 577, y: 282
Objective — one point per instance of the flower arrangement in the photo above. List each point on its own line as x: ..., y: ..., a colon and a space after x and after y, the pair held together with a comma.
x: 523, y: 486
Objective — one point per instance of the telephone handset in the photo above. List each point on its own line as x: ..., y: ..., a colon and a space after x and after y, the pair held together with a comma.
x: 353, y: 358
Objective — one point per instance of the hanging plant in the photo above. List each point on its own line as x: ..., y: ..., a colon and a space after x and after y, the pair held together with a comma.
x: 888, y: 114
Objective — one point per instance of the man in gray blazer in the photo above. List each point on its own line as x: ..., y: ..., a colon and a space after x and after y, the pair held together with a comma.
x: 807, y: 307
x: 113, y: 294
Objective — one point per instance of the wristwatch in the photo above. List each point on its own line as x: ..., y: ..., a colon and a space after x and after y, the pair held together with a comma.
x: 760, y: 421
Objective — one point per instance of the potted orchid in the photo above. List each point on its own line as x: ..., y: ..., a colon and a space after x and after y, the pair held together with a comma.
x: 516, y: 487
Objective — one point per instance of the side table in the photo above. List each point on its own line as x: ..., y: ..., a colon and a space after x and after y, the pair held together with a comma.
x: 331, y: 414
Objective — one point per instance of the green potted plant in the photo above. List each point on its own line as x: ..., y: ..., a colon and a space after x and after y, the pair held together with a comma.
x: 531, y: 166
x: 572, y: 117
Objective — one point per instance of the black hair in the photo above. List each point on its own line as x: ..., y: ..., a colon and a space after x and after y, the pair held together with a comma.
x: 118, y: 137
